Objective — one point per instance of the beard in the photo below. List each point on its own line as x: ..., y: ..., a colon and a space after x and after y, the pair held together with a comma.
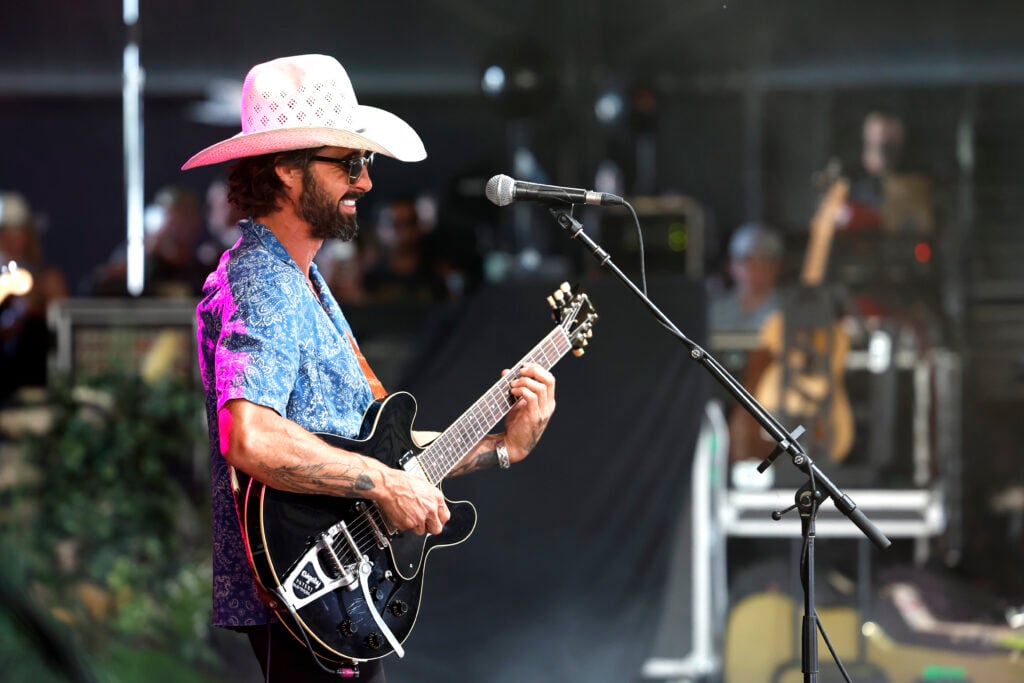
x: 322, y: 213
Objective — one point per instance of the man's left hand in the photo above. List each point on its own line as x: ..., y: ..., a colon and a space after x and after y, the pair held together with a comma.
x: 535, y: 389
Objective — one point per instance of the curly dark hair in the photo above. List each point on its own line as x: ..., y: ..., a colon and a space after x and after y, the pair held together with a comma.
x: 253, y: 186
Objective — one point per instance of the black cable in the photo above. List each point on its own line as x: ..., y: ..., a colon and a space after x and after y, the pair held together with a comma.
x: 640, y: 238
x: 309, y: 646
x: 835, y: 657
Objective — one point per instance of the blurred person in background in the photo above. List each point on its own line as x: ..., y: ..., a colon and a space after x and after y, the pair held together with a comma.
x: 24, y: 335
x: 755, y: 264
x: 174, y: 228
x: 342, y: 265
x: 402, y: 269
x: 882, y: 141
x: 221, y: 224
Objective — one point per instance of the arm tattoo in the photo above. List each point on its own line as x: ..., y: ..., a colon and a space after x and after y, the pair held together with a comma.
x: 349, y: 483
x: 480, y: 462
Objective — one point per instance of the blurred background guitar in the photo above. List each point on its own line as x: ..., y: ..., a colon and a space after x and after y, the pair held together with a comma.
x: 797, y: 373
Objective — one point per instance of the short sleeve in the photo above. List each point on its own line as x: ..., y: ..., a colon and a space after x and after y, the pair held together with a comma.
x: 256, y: 353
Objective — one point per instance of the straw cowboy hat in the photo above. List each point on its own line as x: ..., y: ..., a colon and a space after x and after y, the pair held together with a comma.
x: 307, y: 101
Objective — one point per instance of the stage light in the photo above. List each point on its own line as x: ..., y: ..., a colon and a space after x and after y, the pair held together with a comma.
x: 493, y: 81
x: 609, y: 107
x: 923, y: 252
x: 520, y: 78
x: 678, y: 237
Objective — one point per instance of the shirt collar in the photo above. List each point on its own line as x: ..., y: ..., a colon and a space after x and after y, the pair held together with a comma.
x: 258, y: 231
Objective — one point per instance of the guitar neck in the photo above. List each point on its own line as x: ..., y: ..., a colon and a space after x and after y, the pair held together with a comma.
x: 822, y: 230
x: 448, y: 449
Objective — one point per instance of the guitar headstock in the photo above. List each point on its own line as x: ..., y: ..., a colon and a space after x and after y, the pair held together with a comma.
x: 575, y: 314
x: 14, y: 280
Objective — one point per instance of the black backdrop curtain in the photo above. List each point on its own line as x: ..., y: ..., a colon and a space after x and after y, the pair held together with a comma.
x: 563, y: 579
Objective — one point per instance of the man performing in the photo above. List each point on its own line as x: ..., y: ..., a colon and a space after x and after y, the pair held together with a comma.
x: 278, y: 359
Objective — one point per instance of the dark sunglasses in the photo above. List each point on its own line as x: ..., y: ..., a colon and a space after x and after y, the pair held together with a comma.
x: 353, y: 164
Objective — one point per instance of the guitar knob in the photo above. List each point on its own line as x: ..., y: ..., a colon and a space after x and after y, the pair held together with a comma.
x: 348, y: 628
x: 399, y: 608
x: 373, y: 641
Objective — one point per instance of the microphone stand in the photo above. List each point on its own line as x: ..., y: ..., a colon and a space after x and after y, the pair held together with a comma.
x: 807, y: 496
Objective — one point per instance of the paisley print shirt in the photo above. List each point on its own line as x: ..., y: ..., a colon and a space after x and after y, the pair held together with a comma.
x: 265, y: 337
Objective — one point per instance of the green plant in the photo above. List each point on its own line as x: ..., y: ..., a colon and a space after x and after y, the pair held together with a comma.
x: 111, y: 532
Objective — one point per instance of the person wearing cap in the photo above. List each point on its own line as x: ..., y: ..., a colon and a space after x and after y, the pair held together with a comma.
x: 755, y: 261
x: 277, y: 357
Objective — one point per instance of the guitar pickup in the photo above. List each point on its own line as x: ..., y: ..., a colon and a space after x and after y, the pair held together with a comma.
x: 367, y: 512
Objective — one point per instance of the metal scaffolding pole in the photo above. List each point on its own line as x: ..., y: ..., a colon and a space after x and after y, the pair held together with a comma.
x: 132, y: 84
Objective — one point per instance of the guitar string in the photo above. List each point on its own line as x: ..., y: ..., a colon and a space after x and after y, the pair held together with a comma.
x: 363, y: 532
x: 503, y: 389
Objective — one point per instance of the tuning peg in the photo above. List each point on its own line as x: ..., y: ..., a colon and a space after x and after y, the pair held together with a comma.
x: 566, y: 288
x: 577, y: 352
x: 559, y: 296
x: 590, y: 333
x: 551, y: 302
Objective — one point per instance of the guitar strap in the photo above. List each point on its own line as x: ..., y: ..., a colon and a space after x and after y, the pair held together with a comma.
x: 376, y: 387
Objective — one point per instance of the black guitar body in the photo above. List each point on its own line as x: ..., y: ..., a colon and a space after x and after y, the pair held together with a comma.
x: 330, y: 567
x: 282, y: 527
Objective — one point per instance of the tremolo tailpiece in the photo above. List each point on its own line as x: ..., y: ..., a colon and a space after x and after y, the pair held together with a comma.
x: 308, y: 581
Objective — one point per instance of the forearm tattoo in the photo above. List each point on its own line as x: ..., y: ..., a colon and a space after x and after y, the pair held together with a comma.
x: 483, y: 461
x: 349, y: 482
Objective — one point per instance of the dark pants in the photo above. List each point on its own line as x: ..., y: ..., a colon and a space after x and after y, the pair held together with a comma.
x: 291, y: 662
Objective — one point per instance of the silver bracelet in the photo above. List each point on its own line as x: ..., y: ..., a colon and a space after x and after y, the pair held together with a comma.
x: 503, y: 461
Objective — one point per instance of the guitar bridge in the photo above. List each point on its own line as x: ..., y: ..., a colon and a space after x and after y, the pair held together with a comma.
x: 320, y: 570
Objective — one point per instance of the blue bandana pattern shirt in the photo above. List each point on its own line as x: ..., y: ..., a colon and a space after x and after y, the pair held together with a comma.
x: 266, y: 338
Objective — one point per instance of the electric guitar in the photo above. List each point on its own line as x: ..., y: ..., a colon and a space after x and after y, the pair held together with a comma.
x: 343, y: 581
x: 14, y: 280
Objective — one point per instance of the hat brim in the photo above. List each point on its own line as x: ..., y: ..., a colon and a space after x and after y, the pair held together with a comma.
x: 376, y: 130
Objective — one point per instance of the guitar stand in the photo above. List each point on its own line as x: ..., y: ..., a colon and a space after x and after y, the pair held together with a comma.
x: 807, y: 496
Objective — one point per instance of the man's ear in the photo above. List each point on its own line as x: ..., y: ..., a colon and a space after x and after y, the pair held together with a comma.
x: 289, y: 175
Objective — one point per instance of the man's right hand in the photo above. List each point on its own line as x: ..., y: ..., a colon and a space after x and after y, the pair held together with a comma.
x: 281, y: 454
x: 412, y: 503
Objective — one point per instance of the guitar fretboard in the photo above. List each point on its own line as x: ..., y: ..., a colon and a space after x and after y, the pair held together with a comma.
x: 454, y: 443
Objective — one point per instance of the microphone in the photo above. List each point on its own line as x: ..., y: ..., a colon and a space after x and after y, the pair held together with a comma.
x: 502, y: 190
